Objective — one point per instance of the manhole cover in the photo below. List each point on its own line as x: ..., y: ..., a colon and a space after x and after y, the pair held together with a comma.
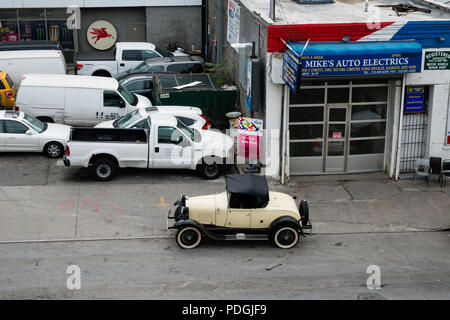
x: 370, y: 296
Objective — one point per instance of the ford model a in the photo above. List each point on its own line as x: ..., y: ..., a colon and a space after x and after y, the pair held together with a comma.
x: 246, y: 210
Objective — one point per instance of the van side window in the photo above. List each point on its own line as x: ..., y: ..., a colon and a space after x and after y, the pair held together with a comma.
x: 15, y: 127
x: 131, y: 55
x: 112, y: 99
x: 1, y: 126
x: 168, y: 134
x: 2, y: 86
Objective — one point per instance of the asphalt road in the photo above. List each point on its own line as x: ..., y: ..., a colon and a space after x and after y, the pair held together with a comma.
x: 413, y: 265
x: 40, y: 200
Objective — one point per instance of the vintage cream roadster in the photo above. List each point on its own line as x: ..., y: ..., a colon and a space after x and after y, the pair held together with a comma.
x: 246, y: 210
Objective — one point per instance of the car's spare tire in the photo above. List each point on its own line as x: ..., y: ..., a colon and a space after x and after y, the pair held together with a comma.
x: 304, y: 212
x: 285, y: 236
x: 188, y: 237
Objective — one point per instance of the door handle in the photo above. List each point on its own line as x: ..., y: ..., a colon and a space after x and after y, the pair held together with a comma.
x: 156, y: 149
x: 96, y: 115
x: 122, y: 64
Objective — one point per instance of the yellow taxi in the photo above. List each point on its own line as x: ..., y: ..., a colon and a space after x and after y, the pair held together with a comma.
x: 7, y: 93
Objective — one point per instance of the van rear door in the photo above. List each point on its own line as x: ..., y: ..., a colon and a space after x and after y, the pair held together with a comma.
x: 83, y: 106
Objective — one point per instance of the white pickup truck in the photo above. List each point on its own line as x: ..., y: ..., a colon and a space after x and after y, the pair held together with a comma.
x: 168, y: 144
x: 126, y: 55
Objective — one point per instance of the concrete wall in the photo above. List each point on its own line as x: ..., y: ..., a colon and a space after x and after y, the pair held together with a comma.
x: 119, y: 17
x: 175, y: 24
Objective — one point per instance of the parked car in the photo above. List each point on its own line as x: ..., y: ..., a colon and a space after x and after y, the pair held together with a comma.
x: 126, y: 55
x: 76, y: 100
x: 190, y: 116
x: 246, y: 210
x: 20, y: 132
x: 168, y: 144
x: 7, y: 91
x: 179, y: 64
x: 19, y: 62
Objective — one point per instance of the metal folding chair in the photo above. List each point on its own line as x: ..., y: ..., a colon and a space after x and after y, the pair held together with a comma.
x: 445, y: 172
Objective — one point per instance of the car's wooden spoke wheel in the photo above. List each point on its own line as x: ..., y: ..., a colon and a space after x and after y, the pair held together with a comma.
x: 189, y: 237
x: 285, y: 237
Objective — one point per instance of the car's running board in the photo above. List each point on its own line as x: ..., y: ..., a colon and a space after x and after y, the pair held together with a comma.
x: 243, y: 236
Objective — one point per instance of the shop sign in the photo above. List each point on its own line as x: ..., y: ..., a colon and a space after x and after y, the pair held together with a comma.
x: 437, y: 60
x: 339, y: 65
x: 250, y: 131
x: 291, y: 66
x: 234, y: 20
x: 101, y: 35
x: 414, y: 99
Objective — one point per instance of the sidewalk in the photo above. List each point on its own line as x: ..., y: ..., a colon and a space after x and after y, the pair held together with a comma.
x: 357, y: 203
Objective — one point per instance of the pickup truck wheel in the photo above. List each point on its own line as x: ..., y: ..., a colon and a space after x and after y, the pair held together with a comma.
x: 54, y: 149
x: 188, y: 237
x: 285, y: 237
x: 210, y: 171
x: 104, y: 169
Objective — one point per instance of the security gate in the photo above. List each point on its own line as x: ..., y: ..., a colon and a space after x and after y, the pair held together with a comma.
x: 414, y: 134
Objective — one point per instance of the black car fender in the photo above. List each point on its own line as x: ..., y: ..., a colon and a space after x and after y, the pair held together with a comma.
x: 191, y: 223
x: 286, y: 220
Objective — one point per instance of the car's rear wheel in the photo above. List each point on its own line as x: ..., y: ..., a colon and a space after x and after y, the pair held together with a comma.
x: 189, y: 237
x: 285, y: 237
x: 104, y: 169
x: 54, y: 149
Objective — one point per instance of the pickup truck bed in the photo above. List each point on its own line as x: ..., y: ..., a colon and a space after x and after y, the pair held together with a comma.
x: 95, y: 56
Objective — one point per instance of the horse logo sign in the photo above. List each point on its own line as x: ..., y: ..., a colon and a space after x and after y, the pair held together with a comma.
x: 101, y: 35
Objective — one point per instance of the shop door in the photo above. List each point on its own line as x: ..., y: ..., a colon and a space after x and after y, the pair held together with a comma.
x: 336, y: 150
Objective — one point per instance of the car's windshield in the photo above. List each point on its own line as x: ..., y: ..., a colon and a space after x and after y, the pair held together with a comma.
x: 142, y: 67
x: 128, y: 119
x: 162, y: 52
x: 34, y: 123
x: 186, y: 130
x: 131, y: 98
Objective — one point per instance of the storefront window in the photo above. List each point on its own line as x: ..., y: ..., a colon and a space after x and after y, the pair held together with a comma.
x: 58, y: 31
x: 305, y: 114
x: 9, y: 31
x: 306, y: 131
x: 34, y: 14
x: 366, y: 146
x: 369, y: 112
x: 305, y: 149
x: 364, y: 94
x: 308, y: 96
x: 368, y: 129
x: 32, y: 30
x: 338, y: 95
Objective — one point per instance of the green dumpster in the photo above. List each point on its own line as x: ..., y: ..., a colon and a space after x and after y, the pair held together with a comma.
x: 196, y: 90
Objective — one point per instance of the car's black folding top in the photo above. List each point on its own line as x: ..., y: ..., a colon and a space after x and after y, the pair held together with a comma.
x: 248, y: 184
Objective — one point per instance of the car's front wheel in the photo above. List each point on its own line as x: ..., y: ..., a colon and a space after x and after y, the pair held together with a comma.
x: 54, y: 149
x: 285, y: 237
x: 189, y: 237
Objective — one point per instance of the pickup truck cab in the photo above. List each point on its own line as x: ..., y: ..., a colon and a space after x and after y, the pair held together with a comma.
x: 125, y: 56
x: 167, y: 144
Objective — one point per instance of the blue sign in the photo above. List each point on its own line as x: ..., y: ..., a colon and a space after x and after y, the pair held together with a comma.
x: 368, y: 64
x: 290, y: 70
x: 414, y: 99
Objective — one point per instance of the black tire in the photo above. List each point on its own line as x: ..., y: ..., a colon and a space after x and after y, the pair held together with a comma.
x: 54, y: 150
x: 304, y: 212
x: 188, y: 237
x: 285, y: 236
x: 210, y: 170
x: 104, y: 169
x: 102, y: 73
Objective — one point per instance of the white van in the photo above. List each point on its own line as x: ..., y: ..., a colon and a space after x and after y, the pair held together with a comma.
x: 76, y: 100
x: 18, y: 62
